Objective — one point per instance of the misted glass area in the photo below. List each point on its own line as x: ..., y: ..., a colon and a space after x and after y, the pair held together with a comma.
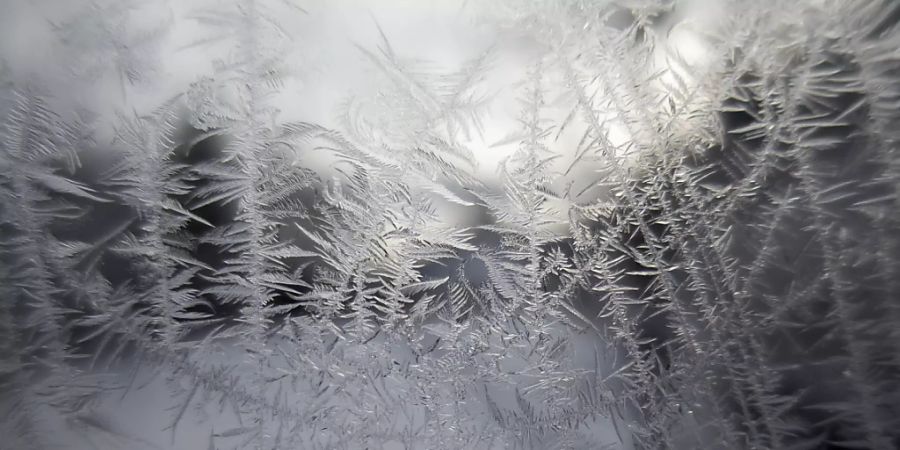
x: 449, y: 224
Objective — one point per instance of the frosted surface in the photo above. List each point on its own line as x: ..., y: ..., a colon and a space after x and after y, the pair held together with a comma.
x: 610, y: 224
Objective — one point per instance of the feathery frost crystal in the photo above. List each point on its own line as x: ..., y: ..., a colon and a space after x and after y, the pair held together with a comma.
x: 541, y: 224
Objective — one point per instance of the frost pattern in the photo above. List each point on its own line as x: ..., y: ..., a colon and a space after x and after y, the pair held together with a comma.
x: 674, y: 252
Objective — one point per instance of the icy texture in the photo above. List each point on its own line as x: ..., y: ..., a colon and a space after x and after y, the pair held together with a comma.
x: 520, y: 224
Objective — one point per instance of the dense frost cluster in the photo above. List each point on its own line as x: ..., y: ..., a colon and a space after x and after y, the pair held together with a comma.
x: 527, y: 224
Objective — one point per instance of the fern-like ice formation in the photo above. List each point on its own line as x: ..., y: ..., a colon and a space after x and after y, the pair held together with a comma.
x: 602, y: 224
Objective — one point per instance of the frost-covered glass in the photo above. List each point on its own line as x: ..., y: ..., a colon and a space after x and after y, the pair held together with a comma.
x: 436, y: 224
